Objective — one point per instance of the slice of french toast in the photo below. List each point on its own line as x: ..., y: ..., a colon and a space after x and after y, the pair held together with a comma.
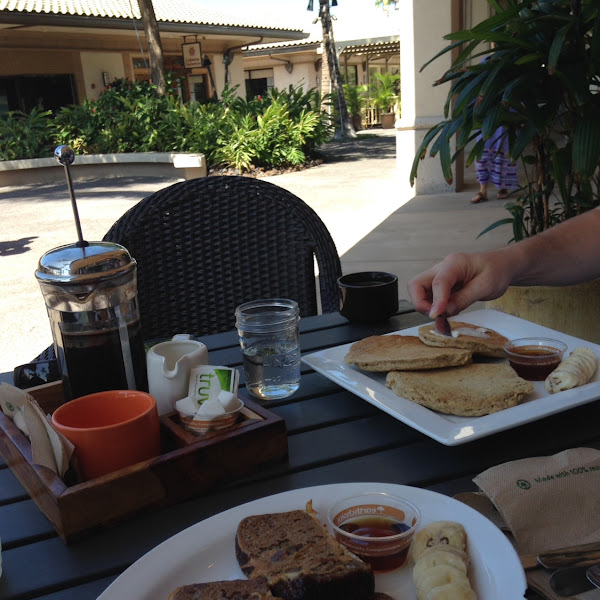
x: 299, y: 559
x: 241, y: 589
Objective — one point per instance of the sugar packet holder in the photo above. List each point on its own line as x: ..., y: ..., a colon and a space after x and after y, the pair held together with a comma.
x: 212, y: 403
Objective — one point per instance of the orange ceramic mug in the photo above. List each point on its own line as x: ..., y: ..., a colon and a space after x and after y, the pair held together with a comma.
x: 110, y: 430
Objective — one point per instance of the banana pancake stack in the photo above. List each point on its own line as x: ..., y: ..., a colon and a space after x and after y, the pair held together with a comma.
x: 438, y: 371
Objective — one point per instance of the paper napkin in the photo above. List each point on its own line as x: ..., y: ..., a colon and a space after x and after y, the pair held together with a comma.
x: 546, y: 503
x: 49, y: 448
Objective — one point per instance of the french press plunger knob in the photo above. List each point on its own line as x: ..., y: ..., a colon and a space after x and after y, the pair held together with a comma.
x: 65, y: 156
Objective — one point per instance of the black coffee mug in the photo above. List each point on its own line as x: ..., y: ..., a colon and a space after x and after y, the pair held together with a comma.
x: 369, y: 296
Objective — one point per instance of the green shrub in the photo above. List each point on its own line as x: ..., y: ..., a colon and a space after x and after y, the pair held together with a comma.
x: 283, y: 128
x: 356, y: 97
x: 384, y: 91
x: 76, y: 126
x: 25, y: 135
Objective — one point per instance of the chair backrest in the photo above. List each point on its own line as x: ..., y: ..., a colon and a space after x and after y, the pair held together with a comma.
x: 206, y: 245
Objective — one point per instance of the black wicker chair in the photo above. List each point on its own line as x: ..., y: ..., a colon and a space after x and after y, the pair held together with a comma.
x: 206, y: 245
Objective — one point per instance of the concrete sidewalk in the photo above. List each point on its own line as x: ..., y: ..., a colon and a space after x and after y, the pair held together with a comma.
x: 375, y: 221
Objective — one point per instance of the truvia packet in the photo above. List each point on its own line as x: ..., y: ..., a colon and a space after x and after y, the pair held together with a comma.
x: 207, y: 382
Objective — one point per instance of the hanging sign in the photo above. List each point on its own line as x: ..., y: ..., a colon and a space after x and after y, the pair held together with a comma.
x: 192, y: 55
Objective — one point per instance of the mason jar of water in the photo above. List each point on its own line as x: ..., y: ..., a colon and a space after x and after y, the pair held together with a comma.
x: 268, y: 332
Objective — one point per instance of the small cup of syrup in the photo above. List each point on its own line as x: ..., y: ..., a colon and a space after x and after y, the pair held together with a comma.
x: 536, y: 357
x: 378, y: 527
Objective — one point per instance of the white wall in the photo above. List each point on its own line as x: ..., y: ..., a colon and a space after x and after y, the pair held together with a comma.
x: 424, y: 23
x: 94, y: 64
x: 236, y: 72
x: 303, y: 74
x: 475, y: 12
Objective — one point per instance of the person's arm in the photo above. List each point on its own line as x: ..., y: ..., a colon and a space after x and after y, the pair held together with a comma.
x: 566, y: 254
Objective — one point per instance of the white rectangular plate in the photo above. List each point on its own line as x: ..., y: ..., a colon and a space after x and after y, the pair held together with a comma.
x: 449, y: 429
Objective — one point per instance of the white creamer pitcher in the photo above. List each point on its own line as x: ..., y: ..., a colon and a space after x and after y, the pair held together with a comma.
x: 169, y: 365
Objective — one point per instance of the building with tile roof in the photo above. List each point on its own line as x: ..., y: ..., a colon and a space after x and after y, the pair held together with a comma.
x: 57, y: 52
x: 299, y: 63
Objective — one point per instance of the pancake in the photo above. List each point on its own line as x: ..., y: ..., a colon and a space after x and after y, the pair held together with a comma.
x: 403, y: 352
x: 470, y: 391
x: 482, y: 340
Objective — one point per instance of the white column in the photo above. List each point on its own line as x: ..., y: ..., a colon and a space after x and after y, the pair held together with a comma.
x: 423, y: 25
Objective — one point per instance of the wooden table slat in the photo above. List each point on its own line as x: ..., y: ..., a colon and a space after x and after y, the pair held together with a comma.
x: 23, y: 521
x: 10, y: 488
x: 324, y: 411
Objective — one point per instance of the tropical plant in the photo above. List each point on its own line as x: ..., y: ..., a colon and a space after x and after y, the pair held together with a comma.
x: 125, y: 118
x: 540, y: 82
x: 356, y: 98
x: 384, y: 91
x: 283, y: 128
x: 283, y: 132
x: 25, y: 135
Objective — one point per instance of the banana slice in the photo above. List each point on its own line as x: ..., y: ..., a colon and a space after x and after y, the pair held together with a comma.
x: 440, y: 555
x: 441, y: 564
x: 446, y: 533
x: 438, y: 576
x: 451, y: 591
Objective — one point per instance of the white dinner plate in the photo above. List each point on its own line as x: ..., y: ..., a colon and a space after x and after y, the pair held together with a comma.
x: 450, y: 429
x: 206, y: 552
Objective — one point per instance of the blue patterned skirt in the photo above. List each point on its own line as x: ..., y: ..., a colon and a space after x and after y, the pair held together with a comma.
x: 494, y: 164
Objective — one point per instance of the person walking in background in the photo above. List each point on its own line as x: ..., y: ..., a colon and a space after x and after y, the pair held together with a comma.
x: 497, y: 167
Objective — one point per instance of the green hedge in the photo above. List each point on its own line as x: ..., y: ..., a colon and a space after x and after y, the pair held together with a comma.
x: 280, y: 129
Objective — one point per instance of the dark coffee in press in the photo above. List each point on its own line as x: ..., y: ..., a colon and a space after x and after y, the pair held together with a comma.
x: 91, y: 299
x: 95, y: 361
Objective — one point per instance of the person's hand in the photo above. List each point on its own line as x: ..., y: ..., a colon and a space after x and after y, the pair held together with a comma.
x: 459, y: 280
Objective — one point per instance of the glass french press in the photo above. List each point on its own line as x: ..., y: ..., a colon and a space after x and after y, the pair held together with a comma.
x: 90, y: 291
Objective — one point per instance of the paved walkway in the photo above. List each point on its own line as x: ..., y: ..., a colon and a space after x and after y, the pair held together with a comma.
x: 375, y: 222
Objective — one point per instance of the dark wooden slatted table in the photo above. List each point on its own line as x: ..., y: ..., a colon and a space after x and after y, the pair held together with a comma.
x: 333, y: 437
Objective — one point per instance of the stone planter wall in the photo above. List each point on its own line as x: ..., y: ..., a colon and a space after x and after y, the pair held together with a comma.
x: 93, y: 166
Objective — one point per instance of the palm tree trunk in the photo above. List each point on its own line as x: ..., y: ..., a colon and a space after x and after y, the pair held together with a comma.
x: 330, y: 57
x: 157, y: 62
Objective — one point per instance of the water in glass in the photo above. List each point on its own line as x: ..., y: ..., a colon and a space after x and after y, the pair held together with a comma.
x: 272, y: 370
x: 268, y: 331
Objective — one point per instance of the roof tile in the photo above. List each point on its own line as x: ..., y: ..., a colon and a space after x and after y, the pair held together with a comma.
x: 181, y: 11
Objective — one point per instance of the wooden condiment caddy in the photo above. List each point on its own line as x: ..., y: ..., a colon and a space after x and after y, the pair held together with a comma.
x: 187, y: 467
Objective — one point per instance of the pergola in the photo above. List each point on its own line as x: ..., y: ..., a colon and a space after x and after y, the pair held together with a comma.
x: 371, y: 49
